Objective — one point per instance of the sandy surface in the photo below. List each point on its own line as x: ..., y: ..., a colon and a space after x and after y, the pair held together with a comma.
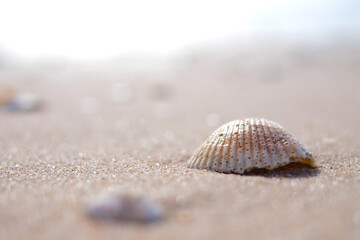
x: 82, y: 143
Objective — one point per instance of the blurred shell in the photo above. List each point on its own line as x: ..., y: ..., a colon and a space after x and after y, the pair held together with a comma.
x: 242, y: 145
x: 24, y: 102
x: 118, y: 207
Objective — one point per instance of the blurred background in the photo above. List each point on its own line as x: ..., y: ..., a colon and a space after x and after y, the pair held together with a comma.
x: 96, y: 30
x: 152, y: 59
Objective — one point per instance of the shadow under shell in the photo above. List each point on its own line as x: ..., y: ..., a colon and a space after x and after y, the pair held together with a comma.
x: 292, y: 170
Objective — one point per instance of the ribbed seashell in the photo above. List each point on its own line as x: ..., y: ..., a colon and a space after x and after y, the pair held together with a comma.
x: 242, y: 145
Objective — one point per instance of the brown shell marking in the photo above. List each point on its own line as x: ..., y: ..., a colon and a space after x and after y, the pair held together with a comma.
x: 242, y: 145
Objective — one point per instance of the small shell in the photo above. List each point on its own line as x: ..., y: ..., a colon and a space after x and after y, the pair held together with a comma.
x: 118, y: 207
x: 23, y: 102
x: 242, y: 145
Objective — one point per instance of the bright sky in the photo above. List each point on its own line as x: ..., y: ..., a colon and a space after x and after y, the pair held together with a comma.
x: 90, y: 29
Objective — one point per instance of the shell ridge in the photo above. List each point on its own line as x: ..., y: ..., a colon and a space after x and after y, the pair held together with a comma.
x: 253, y: 143
x: 210, y: 159
x: 205, y: 152
x: 273, y: 135
x: 248, y: 143
x: 196, y: 157
x: 273, y: 148
x: 289, y: 148
x: 214, y: 160
x: 239, y: 162
x: 292, y: 148
x: 262, y: 148
x: 244, y: 146
x: 251, y: 149
x: 228, y: 158
x: 221, y: 158
x: 204, y: 161
x: 257, y: 144
x: 268, y: 160
x: 193, y: 157
x: 284, y: 159
x: 235, y: 164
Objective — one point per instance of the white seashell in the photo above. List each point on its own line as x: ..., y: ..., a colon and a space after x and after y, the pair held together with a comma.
x: 117, y: 207
x: 242, y: 145
x: 23, y: 102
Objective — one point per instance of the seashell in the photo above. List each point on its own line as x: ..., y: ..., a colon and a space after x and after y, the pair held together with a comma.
x: 118, y: 207
x: 242, y: 145
x: 23, y: 102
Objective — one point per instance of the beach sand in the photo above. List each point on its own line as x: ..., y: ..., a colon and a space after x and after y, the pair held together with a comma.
x: 87, y: 140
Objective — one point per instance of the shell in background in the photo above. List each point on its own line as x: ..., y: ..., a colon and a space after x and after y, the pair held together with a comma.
x: 242, y: 145
x: 119, y: 207
x: 26, y: 101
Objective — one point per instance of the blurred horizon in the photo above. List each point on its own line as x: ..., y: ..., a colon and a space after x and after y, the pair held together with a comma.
x: 79, y: 31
